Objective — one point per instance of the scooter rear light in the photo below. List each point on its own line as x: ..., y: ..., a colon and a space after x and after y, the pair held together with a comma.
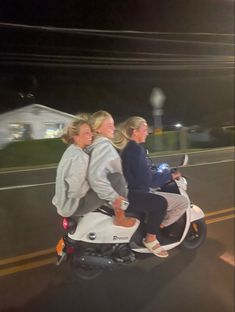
x: 65, y: 223
x: 69, y: 225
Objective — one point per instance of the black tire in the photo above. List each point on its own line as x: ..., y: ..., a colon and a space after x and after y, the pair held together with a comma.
x: 196, y: 235
x: 84, y: 273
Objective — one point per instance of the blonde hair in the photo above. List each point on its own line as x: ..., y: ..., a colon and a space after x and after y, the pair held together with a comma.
x: 125, y: 130
x: 74, y: 127
x: 97, y: 119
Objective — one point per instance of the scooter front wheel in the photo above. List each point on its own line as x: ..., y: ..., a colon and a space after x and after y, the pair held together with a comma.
x: 196, y: 235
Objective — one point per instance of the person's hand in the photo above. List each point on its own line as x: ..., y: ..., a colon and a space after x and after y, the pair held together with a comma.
x: 176, y: 175
x: 117, y: 202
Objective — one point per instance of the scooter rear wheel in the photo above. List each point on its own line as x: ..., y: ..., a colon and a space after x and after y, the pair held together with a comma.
x: 196, y: 235
x: 80, y: 272
x: 84, y: 273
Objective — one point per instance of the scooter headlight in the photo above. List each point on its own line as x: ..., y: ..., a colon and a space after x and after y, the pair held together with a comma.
x: 163, y: 167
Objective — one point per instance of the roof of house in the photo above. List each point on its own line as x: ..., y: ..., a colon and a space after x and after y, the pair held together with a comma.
x: 33, y: 107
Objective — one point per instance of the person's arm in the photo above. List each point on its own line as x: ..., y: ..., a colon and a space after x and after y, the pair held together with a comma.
x: 71, y: 184
x: 160, y: 178
x: 102, y: 162
x: 135, y: 166
x: 137, y: 162
x: 76, y: 177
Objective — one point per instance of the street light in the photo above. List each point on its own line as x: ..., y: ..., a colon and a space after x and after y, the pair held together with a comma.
x: 178, y: 125
x: 182, y: 136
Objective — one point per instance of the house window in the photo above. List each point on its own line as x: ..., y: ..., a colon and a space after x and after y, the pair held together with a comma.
x: 53, y: 130
x: 20, y: 131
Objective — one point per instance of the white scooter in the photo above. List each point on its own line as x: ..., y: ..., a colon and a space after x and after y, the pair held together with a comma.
x: 94, y: 243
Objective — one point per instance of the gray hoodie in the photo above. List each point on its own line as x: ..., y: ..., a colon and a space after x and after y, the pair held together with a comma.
x: 105, y: 166
x: 71, y: 180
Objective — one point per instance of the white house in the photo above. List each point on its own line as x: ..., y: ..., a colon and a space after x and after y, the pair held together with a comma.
x: 34, y: 121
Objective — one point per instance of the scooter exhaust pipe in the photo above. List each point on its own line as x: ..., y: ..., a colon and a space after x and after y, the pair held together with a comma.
x: 94, y: 262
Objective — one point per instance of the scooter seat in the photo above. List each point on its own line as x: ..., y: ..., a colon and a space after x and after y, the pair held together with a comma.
x: 106, y: 210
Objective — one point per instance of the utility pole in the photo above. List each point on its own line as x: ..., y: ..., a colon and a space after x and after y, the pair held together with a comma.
x: 157, y: 99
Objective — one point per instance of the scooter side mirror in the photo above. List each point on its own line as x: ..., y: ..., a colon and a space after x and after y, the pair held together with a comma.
x: 184, y: 160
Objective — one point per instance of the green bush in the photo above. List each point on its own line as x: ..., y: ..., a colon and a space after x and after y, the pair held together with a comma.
x: 32, y: 152
x: 219, y: 138
x: 167, y: 141
x: 222, y: 137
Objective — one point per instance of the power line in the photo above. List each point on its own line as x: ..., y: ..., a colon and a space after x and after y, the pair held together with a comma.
x: 119, y: 66
x: 14, y: 25
x: 158, y: 39
x: 155, y: 53
x: 125, y: 52
x: 163, y: 57
x: 100, y: 33
x: 135, y: 60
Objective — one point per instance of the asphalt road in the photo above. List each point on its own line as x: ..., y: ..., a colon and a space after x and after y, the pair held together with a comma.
x: 186, y: 281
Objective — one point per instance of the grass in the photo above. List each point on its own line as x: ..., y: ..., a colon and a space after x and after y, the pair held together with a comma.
x: 31, y: 153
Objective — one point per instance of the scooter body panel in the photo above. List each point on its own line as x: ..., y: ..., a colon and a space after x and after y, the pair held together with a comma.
x: 196, y: 213
x: 174, y: 244
x: 98, y: 228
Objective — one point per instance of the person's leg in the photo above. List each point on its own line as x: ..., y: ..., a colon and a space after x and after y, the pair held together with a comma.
x: 177, y: 205
x: 153, y: 224
x: 88, y: 203
x: 119, y: 185
x: 155, y: 207
x: 121, y: 219
x: 91, y: 202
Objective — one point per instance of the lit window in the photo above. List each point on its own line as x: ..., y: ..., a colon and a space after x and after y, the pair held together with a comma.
x: 53, y: 130
x: 20, y: 131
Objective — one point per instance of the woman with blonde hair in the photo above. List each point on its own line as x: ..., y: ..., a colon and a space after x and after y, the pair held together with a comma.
x: 72, y: 186
x: 105, y: 170
x: 163, y: 208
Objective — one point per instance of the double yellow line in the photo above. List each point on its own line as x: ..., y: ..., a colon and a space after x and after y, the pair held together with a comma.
x: 48, y: 256
x: 219, y: 212
x: 26, y: 262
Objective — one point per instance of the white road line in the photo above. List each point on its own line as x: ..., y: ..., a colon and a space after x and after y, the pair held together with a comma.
x: 213, y: 150
x: 209, y: 163
x: 197, y: 152
x: 24, y: 186
x: 49, y: 183
x: 228, y: 258
x: 54, y: 167
x: 28, y: 170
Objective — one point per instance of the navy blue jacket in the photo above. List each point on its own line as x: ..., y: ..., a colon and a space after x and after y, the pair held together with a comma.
x: 137, y: 169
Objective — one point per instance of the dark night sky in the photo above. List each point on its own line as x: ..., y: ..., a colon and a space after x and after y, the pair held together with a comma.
x: 192, y: 95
